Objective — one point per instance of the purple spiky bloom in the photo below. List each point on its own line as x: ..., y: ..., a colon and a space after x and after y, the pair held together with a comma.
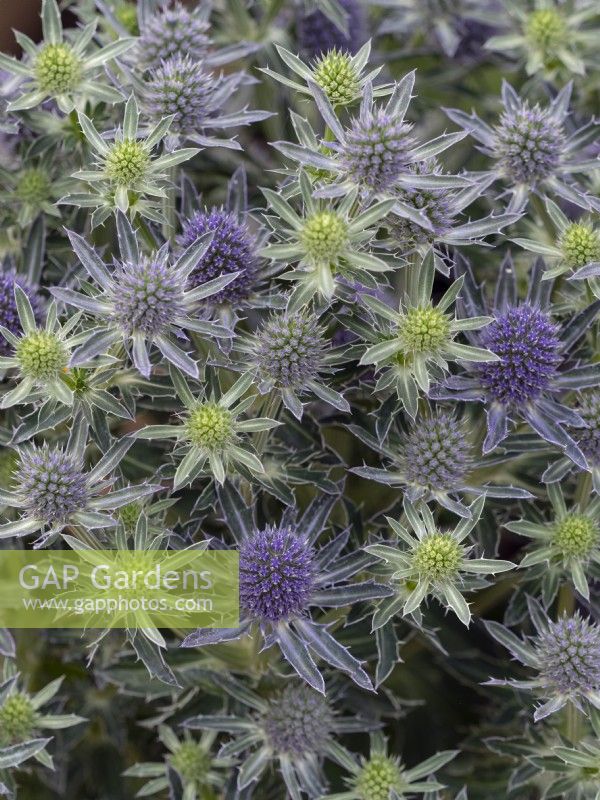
x: 9, y: 317
x: 529, y: 144
x: 276, y: 573
x: 437, y: 453
x: 183, y: 88
x: 147, y: 297
x: 298, y: 722
x: 527, y: 342
x: 233, y: 249
x: 434, y: 204
x: 317, y: 34
x: 172, y: 31
x: 52, y: 483
x: 290, y: 350
x: 376, y: 150
x: 569, y: 652
x: 588, y: 438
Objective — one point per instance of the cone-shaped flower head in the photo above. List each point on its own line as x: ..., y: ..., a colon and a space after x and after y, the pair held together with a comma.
x: 174, y: 31
x: 298, y: 722
x: 290, y: 350
x: 569, y: 652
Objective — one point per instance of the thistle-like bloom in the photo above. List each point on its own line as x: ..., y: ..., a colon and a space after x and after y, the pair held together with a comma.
x: 382, y: 776
x: 23, y: 724
x: 41, y: 355
x: 236, y: 240
x: 411, y: 347
x: 575, y: 247
x: 283, y: 573
x: 533, y: 149
x: 195, y: 97
x: 565, y: 655
x: 530, y: 350
x: 292, y: 730
x: 424, y: 220
x: 318, y: 33
x: 33, y: 189
x: 143, y: 301
x: 337, y: 72
x: 552, y: 37
x: 62, y: 69
x: 568, y: 544
x: 587, y: 409
x: 198, y: 769
x: 437, y: 563
x: 9, y: 313
x: 126, y: 172
x: 290, y: 354
x: 173, y: 31
x: 433, y: 458
x: 53, y: 489
x: 208, y: 438
x: 328, y: 242
x: 376, y: 153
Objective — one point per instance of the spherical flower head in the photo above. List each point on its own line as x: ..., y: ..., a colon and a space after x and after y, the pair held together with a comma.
x: 529, y: 144
x: 33, y: 186
x: 57, y: 69
x: 580, y: 244
x: 9, y: 317
x: 336, y: 74
x: 437, y: 557
x: 42, y: 356
x: 209, y: 426
x: 191, y: 761
x: 147, y: 296
x: 298, y: 722
x: 18, y: 719
x: 317, y: 34
x: 233, y: 249
x: 546, y: 29
x: 276, y: 574
x: 575, y: 535
x: 588, y: 438
x: 376, y: 150
x: 527, y: 342
x: 569, y: 653
x: 182, y: 88
x: 437, y: 453
x: 126, y: 162
x: 52, y: 483
x: 290, y: 350
x: 170, y: 32
x: 424, y: 329
x: 377, y: 777
x: 324, y: 236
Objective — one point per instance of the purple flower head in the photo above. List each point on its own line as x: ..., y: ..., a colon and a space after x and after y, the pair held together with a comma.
x: 298, y: 722
x: 233, y: 249
x: 183, y: 88
x: 9, y: 317
x: 434, y: 204
x: 534, y: 365
x: 147, y: 296
x: 276, y: 573
x: 317, y: 34
x: 529, y: 143
x: 528, y: 345
x: 437, y: 453
x: 377, y: 149
x: 290, y: 350
x: 173, y: 31
x: 52, y: 483
x: 569, y: 653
